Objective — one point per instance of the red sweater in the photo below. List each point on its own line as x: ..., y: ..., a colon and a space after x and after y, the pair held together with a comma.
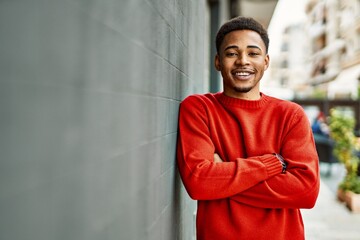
x: 247, y: 196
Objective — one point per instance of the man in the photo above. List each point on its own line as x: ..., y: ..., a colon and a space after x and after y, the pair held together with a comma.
x: 248, y: 158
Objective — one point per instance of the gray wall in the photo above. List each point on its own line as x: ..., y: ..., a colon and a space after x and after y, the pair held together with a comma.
x: 89, y: 97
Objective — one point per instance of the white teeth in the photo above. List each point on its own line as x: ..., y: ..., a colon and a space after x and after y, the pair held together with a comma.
x: 242, y: 74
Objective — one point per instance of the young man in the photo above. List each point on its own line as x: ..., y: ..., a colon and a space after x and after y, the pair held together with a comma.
x: 249, y: 159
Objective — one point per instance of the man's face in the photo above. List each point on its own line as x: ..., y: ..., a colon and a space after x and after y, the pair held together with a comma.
x: 242, y: 60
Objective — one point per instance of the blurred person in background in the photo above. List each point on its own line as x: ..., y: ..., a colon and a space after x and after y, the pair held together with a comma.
x: 324, y: 143
x: 248, y: 158
x: 320, y: 126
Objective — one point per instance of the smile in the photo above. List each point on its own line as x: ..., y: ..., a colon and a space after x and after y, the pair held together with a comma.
x: 242, y: 73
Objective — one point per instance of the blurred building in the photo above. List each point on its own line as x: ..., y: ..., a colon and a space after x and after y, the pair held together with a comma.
x: 320, y: 57
x: 346, y: 83
x: 290, y: 68
x: 334, y: 36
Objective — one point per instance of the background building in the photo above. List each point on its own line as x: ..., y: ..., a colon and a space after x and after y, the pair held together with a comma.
x: 346, y: 84
x: 325, y: 44
x: 289, y: 68
x: 324, y: 50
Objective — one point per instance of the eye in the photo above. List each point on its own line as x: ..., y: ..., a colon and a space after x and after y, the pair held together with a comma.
x: 231, y: 54
x: 254, y: 53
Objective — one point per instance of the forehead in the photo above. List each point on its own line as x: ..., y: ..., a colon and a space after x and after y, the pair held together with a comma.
x: 243, y: 38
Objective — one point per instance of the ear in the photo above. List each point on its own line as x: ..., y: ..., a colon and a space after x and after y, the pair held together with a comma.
x: 217, y: 62
x: 267, y: 61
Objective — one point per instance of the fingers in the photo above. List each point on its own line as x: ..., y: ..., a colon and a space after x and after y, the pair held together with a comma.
x: 217, y: 158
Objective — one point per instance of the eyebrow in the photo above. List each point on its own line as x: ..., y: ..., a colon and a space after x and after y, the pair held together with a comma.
x: 249, y: 46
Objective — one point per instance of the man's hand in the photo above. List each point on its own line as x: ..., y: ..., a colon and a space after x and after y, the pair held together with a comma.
x: 217, y: 158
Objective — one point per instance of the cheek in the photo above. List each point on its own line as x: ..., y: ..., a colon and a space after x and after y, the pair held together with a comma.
x: 262, y: 65
x: 227, y: 64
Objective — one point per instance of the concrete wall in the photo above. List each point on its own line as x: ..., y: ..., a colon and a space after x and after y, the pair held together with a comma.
x: 89, y: 96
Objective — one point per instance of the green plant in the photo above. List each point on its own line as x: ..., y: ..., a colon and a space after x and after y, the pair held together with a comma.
x: 351, y: 183
x: 342, y: 131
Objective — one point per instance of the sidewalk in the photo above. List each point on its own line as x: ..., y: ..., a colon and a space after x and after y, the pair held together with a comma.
x: 330, y: 219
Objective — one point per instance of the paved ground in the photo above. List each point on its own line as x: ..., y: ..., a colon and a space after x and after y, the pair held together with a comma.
x: 330, y: 219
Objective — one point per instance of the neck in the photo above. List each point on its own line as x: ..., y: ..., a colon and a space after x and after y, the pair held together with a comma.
x: 251, y: 95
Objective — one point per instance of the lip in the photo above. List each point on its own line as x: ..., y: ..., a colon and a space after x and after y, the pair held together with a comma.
x: 246, y: 70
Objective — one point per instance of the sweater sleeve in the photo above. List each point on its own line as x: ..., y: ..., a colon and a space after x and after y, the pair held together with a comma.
x: 202, y: 177
x: 299, y: 186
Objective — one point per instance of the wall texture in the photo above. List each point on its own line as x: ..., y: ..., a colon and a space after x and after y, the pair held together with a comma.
x: 89, y: 97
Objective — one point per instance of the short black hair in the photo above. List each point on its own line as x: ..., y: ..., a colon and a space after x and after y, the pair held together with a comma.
x: 241, y: 23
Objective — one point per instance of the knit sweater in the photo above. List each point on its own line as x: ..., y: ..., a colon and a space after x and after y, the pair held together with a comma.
x: 247, y: 196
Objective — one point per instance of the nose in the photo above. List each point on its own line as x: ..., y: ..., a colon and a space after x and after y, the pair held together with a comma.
x: 242, y: 59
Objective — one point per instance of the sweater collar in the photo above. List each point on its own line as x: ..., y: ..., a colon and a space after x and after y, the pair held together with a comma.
x: 236, y: 102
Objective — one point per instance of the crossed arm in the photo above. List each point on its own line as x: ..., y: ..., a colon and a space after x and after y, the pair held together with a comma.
x: 252, y: 185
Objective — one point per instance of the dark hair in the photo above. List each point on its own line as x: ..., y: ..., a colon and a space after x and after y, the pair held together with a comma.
x: 242, y: 23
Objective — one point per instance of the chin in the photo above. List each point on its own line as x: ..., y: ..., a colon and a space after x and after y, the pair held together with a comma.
x: 243, y: 89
